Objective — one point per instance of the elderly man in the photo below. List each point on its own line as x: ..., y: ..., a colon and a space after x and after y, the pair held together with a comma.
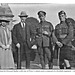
x: 21, y: 39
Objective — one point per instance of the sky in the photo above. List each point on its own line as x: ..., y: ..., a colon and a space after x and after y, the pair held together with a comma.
x: 51, y: 9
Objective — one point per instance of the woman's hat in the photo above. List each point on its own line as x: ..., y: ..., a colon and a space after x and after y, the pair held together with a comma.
x: 6, y: 12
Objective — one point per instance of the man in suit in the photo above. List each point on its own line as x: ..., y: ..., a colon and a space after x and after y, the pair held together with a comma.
x: 21, y: 38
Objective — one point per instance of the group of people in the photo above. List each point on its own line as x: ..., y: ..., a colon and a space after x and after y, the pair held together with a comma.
x: 44, y: 36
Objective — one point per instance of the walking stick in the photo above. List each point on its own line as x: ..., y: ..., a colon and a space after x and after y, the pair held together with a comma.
x: 19, y: 60
x: 58, y: 57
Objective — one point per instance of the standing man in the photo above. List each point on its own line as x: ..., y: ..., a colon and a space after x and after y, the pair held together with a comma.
x: 64, y: 34
x: 44, y: 34
x: 20, y: 39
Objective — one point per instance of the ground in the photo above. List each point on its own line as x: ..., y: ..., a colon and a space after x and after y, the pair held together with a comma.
x: 36, y: 64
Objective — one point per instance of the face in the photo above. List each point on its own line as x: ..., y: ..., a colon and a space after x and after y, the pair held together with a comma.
x: 23, y: 19
x: 62, y: 17
x: 42, y: 17
x: 4, y: 24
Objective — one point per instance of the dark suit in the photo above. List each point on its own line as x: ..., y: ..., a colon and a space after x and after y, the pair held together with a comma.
x: 21, y: 35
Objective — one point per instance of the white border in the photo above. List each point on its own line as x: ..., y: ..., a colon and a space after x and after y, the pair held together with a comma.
x: 38, y: 1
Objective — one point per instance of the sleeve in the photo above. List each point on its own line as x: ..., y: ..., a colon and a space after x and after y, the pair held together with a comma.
x: 0, y: 43
x: 70, y: 35
x: 55, y: 31
x: 10, y: 39
x: 14, y: 38
x: 51, y: 29
x: 53, y: 35
x: 0, y: 40
x: 28, y: 36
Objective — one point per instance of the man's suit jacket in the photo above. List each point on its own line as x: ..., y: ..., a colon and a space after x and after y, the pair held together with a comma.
x: 18, y: 36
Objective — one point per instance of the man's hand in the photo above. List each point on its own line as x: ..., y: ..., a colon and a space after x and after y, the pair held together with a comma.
x: 59, y: 44
x: 18, y: 45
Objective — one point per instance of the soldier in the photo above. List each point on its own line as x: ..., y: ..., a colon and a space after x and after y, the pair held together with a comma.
x: 44, y: 34
x: 64, y: 34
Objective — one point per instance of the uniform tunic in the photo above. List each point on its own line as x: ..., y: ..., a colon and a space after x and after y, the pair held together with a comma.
x: 64, y: 33
x: 43, y: 39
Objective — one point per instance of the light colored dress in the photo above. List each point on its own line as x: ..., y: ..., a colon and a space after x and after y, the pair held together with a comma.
x: 6, y: 57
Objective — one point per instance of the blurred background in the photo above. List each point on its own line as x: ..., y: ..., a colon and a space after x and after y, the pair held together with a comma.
x: 51, y: 9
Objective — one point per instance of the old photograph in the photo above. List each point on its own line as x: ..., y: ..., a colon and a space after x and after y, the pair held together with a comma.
x: 37, y: 36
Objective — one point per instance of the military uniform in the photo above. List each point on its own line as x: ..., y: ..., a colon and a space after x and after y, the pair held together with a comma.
x: 44, y: 41
x: 64, y: 34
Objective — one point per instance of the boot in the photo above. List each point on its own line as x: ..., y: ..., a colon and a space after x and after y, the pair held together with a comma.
x: 61, y: 66
x: 50, y: 65
x: 68, y: 67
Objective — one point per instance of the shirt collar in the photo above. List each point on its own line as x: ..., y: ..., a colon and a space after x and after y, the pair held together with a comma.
x: 22, y: 24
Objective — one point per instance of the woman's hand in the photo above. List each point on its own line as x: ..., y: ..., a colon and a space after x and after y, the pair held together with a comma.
x: 4, y: 47
x: 8, y: 46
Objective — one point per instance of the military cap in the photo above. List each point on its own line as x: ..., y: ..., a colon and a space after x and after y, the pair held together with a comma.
x: 61, y: 12
x: 41, y: 13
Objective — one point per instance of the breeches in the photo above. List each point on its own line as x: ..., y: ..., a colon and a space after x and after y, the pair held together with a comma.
x: 42, y: 52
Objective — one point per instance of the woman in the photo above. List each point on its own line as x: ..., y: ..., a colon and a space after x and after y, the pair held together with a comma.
x: 6, y: 57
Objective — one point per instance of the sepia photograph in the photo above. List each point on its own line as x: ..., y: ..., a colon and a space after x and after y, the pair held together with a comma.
x: 37, y: 36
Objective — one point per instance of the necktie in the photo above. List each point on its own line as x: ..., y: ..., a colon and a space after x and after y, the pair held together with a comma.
x: 23, y: 25
x: 24, y: 35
